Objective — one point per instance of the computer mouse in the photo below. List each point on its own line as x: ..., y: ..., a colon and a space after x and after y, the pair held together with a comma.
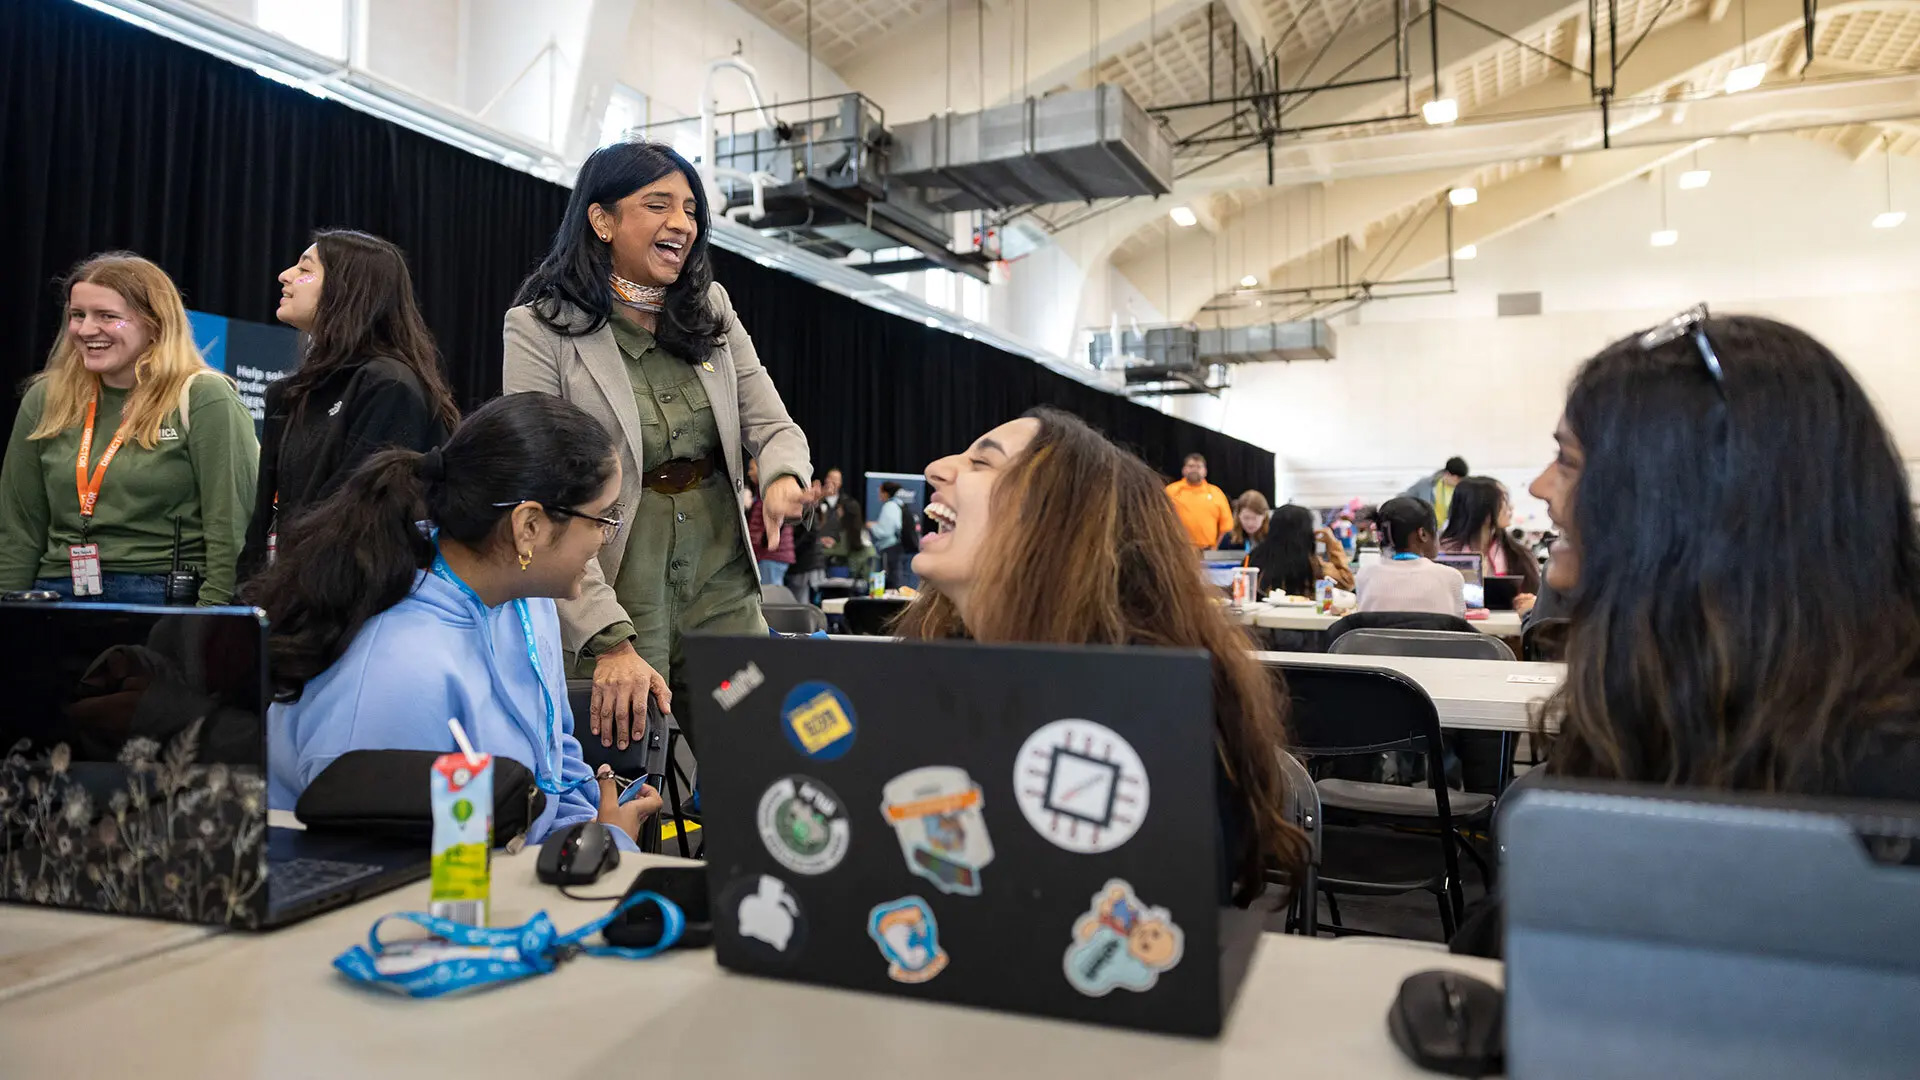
x: 1450, y: 1023
x: 577, y: 855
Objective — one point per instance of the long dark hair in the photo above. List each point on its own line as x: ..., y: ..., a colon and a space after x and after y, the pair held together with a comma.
x: 1748, y: 608
x: 1088, y: 526
x: 367, y: 309
x: 1285, y: 557
x: 576, y: 269
x: 360, y: 549
x: 1476, y: 505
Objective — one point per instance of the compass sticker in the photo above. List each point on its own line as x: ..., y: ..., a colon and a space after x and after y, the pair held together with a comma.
x: 1081, y: 786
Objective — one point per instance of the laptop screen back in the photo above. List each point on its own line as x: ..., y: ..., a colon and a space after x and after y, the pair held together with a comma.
x: 134, y: 778
x: 1468, y: 565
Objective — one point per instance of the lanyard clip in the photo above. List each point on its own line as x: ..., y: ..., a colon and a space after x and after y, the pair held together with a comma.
x: 563, y: 953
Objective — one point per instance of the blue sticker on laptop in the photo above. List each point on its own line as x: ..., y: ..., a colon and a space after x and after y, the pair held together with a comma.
x: 935, y: 812
x: 909, y: 939
x: 1121, y: 943
x: 818, y: 720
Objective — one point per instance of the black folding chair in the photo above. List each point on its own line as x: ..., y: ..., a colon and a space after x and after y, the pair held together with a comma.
x: 1394, y: 620
x: 777, y: 594
x: 656, y: 753
x: 873, y: 616
x: 794, y: 618
x: 1379, y: 839
x: 1303, y: 809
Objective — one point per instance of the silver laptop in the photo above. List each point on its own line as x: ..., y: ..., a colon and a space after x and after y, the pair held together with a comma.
x: 134, y: 780
x: 1655, y: 934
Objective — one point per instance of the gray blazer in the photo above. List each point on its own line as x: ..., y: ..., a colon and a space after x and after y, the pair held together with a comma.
x: 589, y: 372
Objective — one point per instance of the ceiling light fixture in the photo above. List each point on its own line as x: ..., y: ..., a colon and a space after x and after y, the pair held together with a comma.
x: 1466, y: 252
x: 1249, y: 281
x: 1183, y: 216
x: 1663, y: 236
x: 1463, y: 196
x: 1695, y: 177
x: 1746, y: 76
x: 1888, y: 218
x: 1440, y: 111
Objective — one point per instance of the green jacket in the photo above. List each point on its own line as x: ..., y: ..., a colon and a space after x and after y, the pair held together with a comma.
x: 201, y: 471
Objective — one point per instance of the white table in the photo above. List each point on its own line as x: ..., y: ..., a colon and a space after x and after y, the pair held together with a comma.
x: 1273, y: 617
x: 258, y: 1005
x: 44, y: 947
x: 1483, y: 695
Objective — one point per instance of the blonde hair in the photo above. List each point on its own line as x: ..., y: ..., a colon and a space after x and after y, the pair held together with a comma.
x: 160, y: 375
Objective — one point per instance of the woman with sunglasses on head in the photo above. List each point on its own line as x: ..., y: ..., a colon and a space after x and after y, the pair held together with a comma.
x: 125, y: 441
x: 1048, y: 532
x: 623, y: 318
x: 382, y: 630
x: 369, y: 378
x: 1737, y: 539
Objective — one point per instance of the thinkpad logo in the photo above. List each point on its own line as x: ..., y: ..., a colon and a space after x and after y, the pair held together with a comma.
x: 734, y: 690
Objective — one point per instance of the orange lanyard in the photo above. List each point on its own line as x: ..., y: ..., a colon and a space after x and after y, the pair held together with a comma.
x: 89, y: 489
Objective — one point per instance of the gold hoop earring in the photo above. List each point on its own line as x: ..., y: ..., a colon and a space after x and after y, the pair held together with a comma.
x: 526, y: 560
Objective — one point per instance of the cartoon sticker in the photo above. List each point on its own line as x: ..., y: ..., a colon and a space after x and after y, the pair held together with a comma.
x: 818, y: 720
x: 804, y: 824
x: 909, y: 938
x: 767, y: 917
x: 935, y: 811
x: 1121, y: 943
x: 1081, y: 786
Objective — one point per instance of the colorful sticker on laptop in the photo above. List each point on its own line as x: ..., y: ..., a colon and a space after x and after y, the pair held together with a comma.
x: 766, y: 918
x: 1081, y: 786
x: 804, y: 824
x: 1121, y: 943
x: 909, y: 938
x: 818, y: 720
x: 935, y: 811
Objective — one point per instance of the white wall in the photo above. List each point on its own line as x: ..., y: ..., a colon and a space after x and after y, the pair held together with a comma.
x: 671, y: 41
x: 416, y: 43
x: 1782, y: 230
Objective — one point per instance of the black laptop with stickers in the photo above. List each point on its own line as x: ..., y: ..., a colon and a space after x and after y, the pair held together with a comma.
x: 1028, y: 828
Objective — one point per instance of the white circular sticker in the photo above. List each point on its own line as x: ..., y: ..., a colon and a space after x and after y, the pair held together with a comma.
x: 804, y: 824
x: 1081, y: 786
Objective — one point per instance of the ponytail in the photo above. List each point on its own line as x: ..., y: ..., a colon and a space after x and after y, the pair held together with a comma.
x: 345, y: 561
x: 357, y: 554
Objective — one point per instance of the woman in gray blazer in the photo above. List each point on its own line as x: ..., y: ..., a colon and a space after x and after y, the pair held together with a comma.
x: 623, y: 319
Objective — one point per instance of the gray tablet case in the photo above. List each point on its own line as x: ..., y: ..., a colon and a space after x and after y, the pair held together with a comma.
x: 1654, y: 934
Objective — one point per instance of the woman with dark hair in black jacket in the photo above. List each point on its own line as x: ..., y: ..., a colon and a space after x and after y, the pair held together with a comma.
x: 369, y: 380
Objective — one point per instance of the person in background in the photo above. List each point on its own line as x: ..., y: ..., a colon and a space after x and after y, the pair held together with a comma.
x: 1408, y: 579
x: 1295, y: 556
x: 809, y: 555
x: 841, y: 538
x: 1481, y: 516
x: 773, y: 554
x: 124, y: 435
x: 380, y: 631
x: 890, y: 537
x: 1203, y: 509
x: 369, y: 379
x: 1437, y: 490
x: 1250, y: 513
x: 1030, y: 519
x: 623, y: 318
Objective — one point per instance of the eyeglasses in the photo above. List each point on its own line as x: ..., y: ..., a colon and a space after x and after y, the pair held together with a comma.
x: 609, y: 526
x: 1691, y: 322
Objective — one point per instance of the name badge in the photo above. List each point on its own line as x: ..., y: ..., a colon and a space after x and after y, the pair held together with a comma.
x: 85, y: 561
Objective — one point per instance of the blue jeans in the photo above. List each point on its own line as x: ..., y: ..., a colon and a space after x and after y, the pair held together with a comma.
x: 115, y: 589
x: 773, y: 573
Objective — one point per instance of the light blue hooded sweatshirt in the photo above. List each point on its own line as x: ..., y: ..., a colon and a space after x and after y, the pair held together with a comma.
x: 439, y: 653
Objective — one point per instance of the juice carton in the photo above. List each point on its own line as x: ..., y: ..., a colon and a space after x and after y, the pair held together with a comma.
x: 462, y: 798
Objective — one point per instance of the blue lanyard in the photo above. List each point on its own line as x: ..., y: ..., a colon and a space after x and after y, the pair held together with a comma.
x: 468, y: 956
x: 549, y: 782
x: 1405, y: 556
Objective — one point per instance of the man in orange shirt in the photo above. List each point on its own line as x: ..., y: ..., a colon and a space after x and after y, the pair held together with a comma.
x: 1202, y: 508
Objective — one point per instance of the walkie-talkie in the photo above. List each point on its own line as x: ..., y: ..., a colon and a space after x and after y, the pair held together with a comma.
x: 183, y: 582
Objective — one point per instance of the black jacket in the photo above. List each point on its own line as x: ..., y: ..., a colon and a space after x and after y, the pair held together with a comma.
x: 305, y: 455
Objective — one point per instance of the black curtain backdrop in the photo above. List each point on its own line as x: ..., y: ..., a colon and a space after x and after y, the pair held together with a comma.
x: 115, y: 137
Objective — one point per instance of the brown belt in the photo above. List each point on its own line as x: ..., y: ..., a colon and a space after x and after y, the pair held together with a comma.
x: 678, y: 476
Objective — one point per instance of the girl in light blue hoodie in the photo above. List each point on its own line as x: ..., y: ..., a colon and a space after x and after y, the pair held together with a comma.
x: 382, y: 630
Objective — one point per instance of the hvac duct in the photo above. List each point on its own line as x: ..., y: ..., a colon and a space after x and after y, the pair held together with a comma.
x: 1067, y: 147
x: 1306, y: 339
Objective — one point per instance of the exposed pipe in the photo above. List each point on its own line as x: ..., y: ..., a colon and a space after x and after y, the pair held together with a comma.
x: 708, y: 136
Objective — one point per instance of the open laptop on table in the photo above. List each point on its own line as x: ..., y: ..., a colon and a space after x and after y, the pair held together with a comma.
x: 1468, y: 565
x: 134, y: 780
x: 1018, y: 827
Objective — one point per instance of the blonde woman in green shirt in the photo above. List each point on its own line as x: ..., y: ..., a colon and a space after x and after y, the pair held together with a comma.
x: 124, y: 433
